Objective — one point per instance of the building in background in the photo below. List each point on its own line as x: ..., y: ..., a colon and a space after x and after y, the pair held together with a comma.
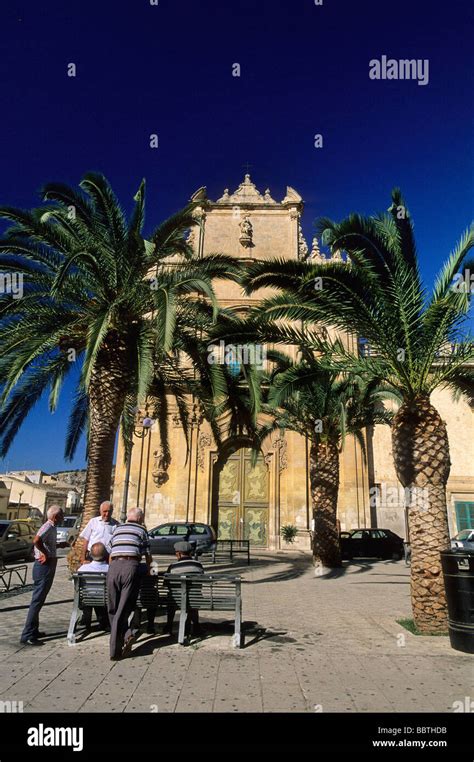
x: 31, y: 493
x: 217, y: 485
x: 4, y: 500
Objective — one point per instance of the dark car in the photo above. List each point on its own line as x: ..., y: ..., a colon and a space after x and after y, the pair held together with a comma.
x: 164, y: 537
x: 16, y: 541
x: 371, y: 543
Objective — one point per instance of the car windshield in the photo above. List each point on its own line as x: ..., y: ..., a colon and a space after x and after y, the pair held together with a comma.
x: 69, y: 522
x: 464, y: 535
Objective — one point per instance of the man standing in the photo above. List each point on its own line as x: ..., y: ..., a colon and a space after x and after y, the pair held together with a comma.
x: 99, y: 529
x: 44, y: 569
x: 129, y: 542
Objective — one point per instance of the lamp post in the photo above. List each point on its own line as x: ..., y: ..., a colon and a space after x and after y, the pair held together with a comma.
x: 140, y: 430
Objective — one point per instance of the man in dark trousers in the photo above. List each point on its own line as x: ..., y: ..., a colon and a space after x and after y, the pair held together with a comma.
x: 129, y: 542
x: 44, y: 569
x: 185, y: 564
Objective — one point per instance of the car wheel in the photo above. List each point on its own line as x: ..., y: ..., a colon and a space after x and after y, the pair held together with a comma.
x: 397, y: 556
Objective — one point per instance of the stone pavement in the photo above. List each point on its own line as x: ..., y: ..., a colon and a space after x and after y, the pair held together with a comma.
x: 312, y: 644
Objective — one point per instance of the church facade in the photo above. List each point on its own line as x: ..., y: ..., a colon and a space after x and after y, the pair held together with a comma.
x: 218, y: 485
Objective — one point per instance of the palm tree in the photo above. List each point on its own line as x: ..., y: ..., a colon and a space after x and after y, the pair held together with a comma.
x: 419, y: 346
x: 96, y: 292
x: 312, y: 398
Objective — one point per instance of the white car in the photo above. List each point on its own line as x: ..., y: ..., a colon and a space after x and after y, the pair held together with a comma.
x: 464, y: 540
x: 68, y: 531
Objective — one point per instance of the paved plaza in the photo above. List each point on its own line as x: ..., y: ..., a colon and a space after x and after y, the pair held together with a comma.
x: 312, y: 644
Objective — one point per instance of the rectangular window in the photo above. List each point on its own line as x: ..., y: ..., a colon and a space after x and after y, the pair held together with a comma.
x: 464, y: 514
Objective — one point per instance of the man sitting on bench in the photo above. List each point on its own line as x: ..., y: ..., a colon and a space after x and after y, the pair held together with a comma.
x: 184, y: 565
x: 98, y: 564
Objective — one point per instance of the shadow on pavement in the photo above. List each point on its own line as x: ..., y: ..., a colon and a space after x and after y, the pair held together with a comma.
x: 356, y: 567
x: 27, y: 605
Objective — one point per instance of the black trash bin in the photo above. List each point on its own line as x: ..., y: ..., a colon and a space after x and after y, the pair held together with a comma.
x: 458, y: 573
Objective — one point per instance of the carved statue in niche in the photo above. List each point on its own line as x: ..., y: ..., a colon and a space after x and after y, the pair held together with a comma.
x: 203, y: 442
x: 246, y: 231
x: 160, y: 467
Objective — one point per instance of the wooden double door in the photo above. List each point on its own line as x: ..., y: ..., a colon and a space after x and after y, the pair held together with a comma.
x: 243, y: 499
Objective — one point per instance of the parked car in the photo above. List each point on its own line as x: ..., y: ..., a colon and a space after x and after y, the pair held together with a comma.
x: 16, y: 541
x: 68, y: 532
x: 35, y: 523
x: 371, y: 543
x: 164, y: 537
x: 463, y: 540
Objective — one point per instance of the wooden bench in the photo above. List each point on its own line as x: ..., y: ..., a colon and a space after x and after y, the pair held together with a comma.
x: 206, y: 592
x: 228, y: 549
x: 90, y: 590
x: 8, y: 573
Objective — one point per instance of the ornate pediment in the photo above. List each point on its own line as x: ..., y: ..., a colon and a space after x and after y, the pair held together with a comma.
x: 246, y: 193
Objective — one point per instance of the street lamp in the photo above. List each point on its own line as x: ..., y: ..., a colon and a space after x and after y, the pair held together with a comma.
x: 140, y: 430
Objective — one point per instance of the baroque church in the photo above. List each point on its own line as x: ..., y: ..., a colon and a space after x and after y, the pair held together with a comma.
x: 218, y: 485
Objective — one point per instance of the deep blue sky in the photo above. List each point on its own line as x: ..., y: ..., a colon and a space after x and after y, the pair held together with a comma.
x: 143, y: 69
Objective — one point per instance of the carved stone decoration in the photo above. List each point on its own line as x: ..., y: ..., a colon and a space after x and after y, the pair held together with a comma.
x: 196, y: 416
x: 292, y: 196
x: 268, y: 459
x: 199, y: 214
x: 337, y: 256
x: 294, y: 214
x: 176, y: 421
x: 203, y: 442
x: 246, y: 232
x: 267, y: 198
x: 200, y: 194
x: 246, y: 193
x: 302, y: 245
x: 160, y: 467
x: 316, y: 255
x: 225, y: 198
x: 282, y: 446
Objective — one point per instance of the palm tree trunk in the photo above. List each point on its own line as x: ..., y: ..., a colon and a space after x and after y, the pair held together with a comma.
x: 324, y: 483
x: 422, y: 462
x: 107, y: 391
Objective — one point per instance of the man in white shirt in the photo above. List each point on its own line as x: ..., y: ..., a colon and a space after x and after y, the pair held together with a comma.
x: 99, y: 529
x: 97, y: 565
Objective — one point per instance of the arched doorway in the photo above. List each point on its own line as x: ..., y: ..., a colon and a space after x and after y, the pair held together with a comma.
x: 241, y: 498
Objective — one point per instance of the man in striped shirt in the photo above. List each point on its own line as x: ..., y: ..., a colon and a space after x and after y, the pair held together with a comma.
x: 129, y: 542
